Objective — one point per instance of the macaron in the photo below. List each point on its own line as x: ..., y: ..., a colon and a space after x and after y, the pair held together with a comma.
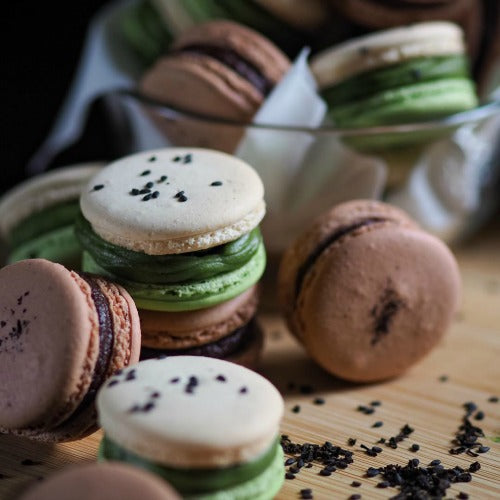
x: 178, y: 228
x: 37, y: 215
x: 207, y: 426
x: 220, y: 69
x: 62, y: 334
x: 401, y: 75
x: 109, y: 481
x: 367, y: 292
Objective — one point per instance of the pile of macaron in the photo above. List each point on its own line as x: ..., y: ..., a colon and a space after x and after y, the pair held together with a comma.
x: 375, y: 63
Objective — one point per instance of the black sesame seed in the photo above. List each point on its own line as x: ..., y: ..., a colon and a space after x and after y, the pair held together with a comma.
x: 377, y: 449
x: 174, y: 380
x: 355, y: 484
x: 470, y: 407
x: 188, y: 158
x: 113, y: 382
x: 152, y: 158
x: 296, y: 409
x: 289, y: 461
x: 182, y: 197
x: 375, y: 403
x: 356, y: 496
x: 414, y: 462
x: 162, y: 179
x: 176, y: 158
x: 134, y: 192
x: 149, y: 185
x: 372, y: 472
x: 463, y: 496
x: 351, y: 441
x: 443, y: 378
x: 325, y: 472
x: 414, y: 447
x: 289, y: 475
x: 383, y: 484
x: 28, y: 461
x: 479, y: 415
x: 483, y: 449
x: 147, y: 197
x: 97, y: 187
x: 148, y: 407
x: 435, y: 462
x: 216, y: 183
x: 379, y: 423
x: 474, y: 467
x: 146, y: 172
x: 306, y: 389
x: 243, y: 390
x: 155, y: 194
x: 319, y: 401
x: 220, y: 378
x: 144, y: 191
x: 493, y: 399
x: 155, y: 395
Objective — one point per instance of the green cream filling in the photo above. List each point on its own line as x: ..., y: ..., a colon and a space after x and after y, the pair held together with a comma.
x: 191, y: 296
x: 195, y: 481
x: 59, y: 245
x: 410, y: 72
x: 45, y: 221
x: 408, y: 104
x: 185, y: 268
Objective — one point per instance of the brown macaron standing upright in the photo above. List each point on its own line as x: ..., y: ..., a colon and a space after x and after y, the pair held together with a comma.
x: 62, y: 335
x: 367, y: 292
x: 218, y: 68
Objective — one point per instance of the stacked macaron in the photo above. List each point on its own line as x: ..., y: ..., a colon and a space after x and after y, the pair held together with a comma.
x: 62, y: 335
x: 37, y: 216
x: 208, y: 427
x: 402, y: 75
x: 178, y: 228
x: 218, y: 68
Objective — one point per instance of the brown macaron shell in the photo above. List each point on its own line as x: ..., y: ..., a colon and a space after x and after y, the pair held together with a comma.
x: 180, y: 330
x: 60, y: 336
x: 107, y: 481
x: 375, y: 301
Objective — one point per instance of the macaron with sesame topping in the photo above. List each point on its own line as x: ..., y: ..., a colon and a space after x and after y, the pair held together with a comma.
x: 207, y: 426
x: 62, y: 335
x: 178, y: 228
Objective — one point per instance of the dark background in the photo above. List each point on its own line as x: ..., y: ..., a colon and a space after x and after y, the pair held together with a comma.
x: 41, y: 44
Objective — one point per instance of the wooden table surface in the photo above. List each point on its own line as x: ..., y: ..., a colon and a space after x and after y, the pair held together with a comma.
x: 430, y: 397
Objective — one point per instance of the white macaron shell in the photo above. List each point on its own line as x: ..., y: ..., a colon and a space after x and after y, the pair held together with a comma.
x: 221, y: 421
x: 211, y: 214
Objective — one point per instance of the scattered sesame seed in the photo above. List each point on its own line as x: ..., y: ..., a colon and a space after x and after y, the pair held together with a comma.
x: 463, y: 496
x: 379, y: 423
x: 479, y: 415
x: 155, y: 194
x: 355, y: 484
x: 97, y: 187
x: 149, y: 184
x: 176, y: 158
x: 243, y: 390
x: 145, y: 172
x: 155, y: 395
x: 163, y: 178
x: 180, y: 193
x: 147, y: 197
x: 493, y: 399
x: 375, y: 403
x: 182, y: 198
x: 306, y: 389
x: 216, y: 183
x: 483, y: 449
x: 435, y: 462
x: 351, y: 441
x: 289, y: 475
x: 188, y: 158
x: 414, y: 447
x: 355, y: 496
x: 383, y: 484
x: 220, y: 378
x: 325, y: 472
x: 443, y: 378
x: 290, y: 461
x: 319, y: 401
x: 296, y: 409
x: 113, y: 382
x: 134, y: 192
x: 144, y: 191
x: 474, y: 467
x: 372, y: 472
x: 174, y: 380
x: 152, y: 158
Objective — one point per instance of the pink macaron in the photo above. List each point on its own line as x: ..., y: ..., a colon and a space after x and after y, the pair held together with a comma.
x: 62, y: 334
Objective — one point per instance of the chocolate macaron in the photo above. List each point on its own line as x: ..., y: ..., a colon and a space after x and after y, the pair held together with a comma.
x: 178, y: 228
x: 220, y: 69
x: 62, y: 334
x: 110, y: 481
x: 367, y: 292
x: 208, y: 427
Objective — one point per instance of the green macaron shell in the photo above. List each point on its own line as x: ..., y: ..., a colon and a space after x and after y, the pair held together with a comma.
x: 59, y: 245
x: 408, y: 104
x: 167, y: 269
x: 423, y: 69
x: 191, y: 296
x: 44, y: 221
x: 143, y: 30
x: 194, y: 481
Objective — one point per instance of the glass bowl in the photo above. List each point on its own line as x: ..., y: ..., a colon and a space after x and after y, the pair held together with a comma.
x: 445, y: 173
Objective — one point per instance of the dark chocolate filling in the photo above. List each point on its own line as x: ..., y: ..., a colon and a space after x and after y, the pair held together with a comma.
x: 335, y: 236
x: 236, y: 62
x: 233, y: 343
x: 106, y: 340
